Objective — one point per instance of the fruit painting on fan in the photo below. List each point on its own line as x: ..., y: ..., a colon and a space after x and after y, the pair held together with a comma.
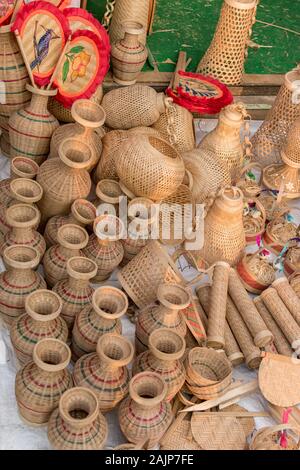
x: 77, y: 60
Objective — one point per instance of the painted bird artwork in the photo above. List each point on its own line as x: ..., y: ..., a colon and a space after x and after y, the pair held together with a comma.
x: 41, y: 46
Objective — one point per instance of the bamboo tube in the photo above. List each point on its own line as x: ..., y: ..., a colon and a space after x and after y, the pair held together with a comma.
x: 257, y: 327
x: 217, y: 306
x: 281, y: 343
x: 282, y: 316
x: 288, y: 296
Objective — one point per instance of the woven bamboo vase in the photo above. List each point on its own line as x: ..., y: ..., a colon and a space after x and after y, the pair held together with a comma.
x: 106, y: 168
x: 77, y: 423
x: 166, y: 348
x: 129, y: 10
x: 40, y: 383
x: 41, y: 320
x: 76, y: 291
x: 108, y: 193
x: 105, y: 371
x: 13, y: 73
x: 71, y: 240
x: 145, y: 415
x: 172, y: 299
x: 19, y: 280
x: 109, y: 304
x: 65, y: 179
x: 88, y: 117
x: 31, y: 128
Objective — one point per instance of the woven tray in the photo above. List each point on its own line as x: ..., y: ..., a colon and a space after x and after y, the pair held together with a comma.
x: 218, y: 433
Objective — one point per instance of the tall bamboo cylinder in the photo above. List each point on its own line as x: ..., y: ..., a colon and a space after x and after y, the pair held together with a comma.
x: 282, y: 316
x: 217, y: 307
x: 257, y: 327
x: 288, y: 296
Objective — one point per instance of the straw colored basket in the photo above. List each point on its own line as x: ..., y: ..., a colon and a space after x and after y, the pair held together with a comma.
x: 254, y: 220
x: 250, y: 187
x: 278, y: 232
x: 291, y: 261
x: 268, y: 438
x: 255, y: 272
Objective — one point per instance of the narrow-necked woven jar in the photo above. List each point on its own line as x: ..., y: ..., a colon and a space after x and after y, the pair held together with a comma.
x: 71, y: 240
x: 40, y: 383
x: 172, y: 299
x: 77, y: 423
x: 41, y: 320
x: 109, y: 304
x: 19, y: 280
x: 106, y: 168
x: 76, y: 291
x: 145, y: 415
x: 105, y: 371
x: 166, y: 348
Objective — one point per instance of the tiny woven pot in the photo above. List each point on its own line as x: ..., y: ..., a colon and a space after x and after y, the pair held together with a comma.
x: 77, y: 423
x: 269, y: 438
x: 18, y: 281
x: 254, y: 221
x: 145, y: 415
x: 109, y: 304
x: 218, y: 433
x: 278, y: 232
x: 41, y: 320
x: 166, y: 348
x: 105, y: 371
x: 71, y: 240
x: 255, y: 272
x: 40, y: 383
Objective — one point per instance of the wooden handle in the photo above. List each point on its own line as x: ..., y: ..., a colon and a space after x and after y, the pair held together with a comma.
x: 20, y: 44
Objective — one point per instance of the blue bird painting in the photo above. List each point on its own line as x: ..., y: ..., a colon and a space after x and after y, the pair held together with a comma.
x: 41, y: 47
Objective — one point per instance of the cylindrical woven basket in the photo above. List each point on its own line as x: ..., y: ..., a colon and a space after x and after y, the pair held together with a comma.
x: 206, y: 367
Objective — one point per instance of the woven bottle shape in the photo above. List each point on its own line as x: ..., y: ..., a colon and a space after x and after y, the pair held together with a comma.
x: 268, y: 140
x: 172, y: 299
x: 224, y: 236
x: 88, y: 117
x: 132, y: 106
x: 22, y: 219
x: 82, y: 213
x: 109, y: 304
x: 71, y: 240
x: 217, y: 308
x: 225, y: 57
x: 41, y: 320
x: 149, y: 166
x: 65, y: 179
x: 129, y: 10
x: 145, y: 415
x: 255, y: 272
x: 77, y: 423
x: 13, y: 73
x: 166, y: 348
x: 104, y: 246
x: 31, y: 128
x: 105, y: 371
x: 225, y: 142
x: 128, y: 55
x: 108, y: 193
x: 76, y: 291
x: 41, y: 382
x: 19, y: 280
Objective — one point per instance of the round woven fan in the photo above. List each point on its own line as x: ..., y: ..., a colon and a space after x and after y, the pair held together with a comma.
x: 248, y: 423
x: 6, y: 10
x: 61, y: 4
x: 200, y: 94
x: 218, y: 432
x: 43, y: 30
x: 82, y: 69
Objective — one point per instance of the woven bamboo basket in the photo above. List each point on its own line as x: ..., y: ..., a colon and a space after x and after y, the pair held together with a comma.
x: 288, y: 296
x: 77, y: 423
x: 41, y: 320
x: 294, y: 281
x: 145, y: 414
x: 109, y: 194
x: 109, y: 304
x: 278, y: 232
x: 40, y: 383
x: 22, y: 167
x: 268, y: 438
x: 255, y: 272
x: 129, y: 10
x: 291, y: 262
x: 254, y: 220
x: 218, y: 433
x: 76, y: 291
x: 19, y: 280
x: 105, y: 372
x: 71, y: 240
x: 250, y: 187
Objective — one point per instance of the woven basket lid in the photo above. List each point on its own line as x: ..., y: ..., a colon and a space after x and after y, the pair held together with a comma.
x: 218, y: 433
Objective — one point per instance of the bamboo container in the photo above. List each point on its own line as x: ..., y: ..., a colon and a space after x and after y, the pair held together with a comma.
x: 76, y: 291
x: 288, y: 296
x: 280, y: 341
x: 65, y: 179
x: 166, y: 349
x: 105, y: 372
x: 255, y: 272
x: 109, y: 304
x: 18, y: 281
x: 172, y: 298
x: 77, y: 423
x: 278, y: 232
x: 291, y: 261
x: 126, y: 10
x: 217, y: 307
x: 111, y: 142
x: 88, y: 117
x: 262, y: 336
x: 40, y: 383
x: 109, y: 193
x: 71, y: 240
x: 30, y: 137
x: 41, y: 320
x: 282, y: 316
x: 145, y: 415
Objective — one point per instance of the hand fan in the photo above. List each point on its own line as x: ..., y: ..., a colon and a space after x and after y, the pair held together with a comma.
x: 82, y: 69
x: 61, y: 4
x: 6, y: 10
x: 43, y: 30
